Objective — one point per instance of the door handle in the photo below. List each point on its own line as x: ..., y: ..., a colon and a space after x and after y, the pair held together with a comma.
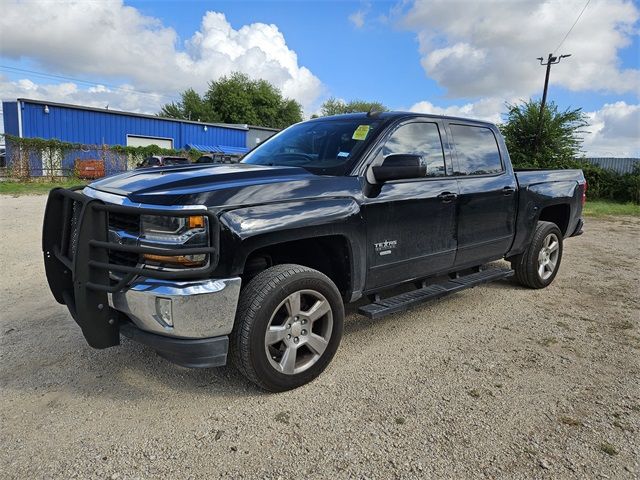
x: 508, y: 190
x: 447, y: 197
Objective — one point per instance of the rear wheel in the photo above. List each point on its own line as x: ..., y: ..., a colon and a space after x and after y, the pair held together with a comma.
x: 538, y: 265
x: 288, y: 327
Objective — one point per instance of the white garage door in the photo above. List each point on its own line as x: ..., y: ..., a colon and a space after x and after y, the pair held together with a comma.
x: 138, y: 141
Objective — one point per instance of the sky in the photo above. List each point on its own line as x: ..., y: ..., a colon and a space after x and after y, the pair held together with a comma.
x: 457, y: 57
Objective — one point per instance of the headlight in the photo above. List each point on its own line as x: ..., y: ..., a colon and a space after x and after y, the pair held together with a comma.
x: 175, y: 233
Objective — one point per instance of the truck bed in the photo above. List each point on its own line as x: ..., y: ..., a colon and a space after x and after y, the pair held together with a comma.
x: 533, y: 176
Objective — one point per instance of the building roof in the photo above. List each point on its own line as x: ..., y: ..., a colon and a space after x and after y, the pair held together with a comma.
x: 268, y: 129
x: 617, y: 164
x: 131, y: 114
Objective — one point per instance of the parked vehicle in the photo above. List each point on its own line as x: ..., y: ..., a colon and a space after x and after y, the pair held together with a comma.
x: 216, y: 158
x: 256, y: 260
x: 162, y: 161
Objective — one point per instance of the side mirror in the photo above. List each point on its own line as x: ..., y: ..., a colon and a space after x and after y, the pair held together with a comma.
x: 399, y: 166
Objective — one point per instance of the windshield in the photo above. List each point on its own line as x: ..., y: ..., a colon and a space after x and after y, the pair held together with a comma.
x: 326, y: 147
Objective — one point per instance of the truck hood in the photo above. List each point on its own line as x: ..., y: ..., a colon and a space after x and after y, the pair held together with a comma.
x: 222, y: 185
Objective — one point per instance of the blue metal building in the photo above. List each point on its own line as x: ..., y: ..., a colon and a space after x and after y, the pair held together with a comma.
x: 96, y: 126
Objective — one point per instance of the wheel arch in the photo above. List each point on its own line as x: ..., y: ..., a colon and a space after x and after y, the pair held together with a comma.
x: 559, y: 213
x: 331, y: 254
x: 324, y: 234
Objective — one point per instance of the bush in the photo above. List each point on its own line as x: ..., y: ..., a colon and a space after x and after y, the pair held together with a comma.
x: 611, y: 185
x: 603, y: 183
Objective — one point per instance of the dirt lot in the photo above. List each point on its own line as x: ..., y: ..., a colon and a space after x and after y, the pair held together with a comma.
x: 498, y: 382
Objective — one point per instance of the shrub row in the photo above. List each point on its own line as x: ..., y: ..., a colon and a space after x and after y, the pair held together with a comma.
x: 611, y: 185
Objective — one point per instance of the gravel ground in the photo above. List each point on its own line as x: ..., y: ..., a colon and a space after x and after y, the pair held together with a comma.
x: 497, y: 382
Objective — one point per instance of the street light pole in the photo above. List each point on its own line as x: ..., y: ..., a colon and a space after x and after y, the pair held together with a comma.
x: 551, y: 60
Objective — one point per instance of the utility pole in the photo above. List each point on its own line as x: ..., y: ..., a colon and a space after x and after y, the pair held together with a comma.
x: 551, y: 60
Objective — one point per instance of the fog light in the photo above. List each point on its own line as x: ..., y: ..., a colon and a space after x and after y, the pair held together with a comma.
x: 163, y: 309
x: 184, y: 260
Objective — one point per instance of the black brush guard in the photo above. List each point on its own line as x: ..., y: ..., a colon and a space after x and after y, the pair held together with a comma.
x: 76, y: 248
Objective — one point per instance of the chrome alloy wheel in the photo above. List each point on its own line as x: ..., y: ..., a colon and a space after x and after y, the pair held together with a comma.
x: 298, y: 332
x: 548, y: 256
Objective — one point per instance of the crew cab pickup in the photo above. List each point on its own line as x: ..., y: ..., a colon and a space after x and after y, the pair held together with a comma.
x: 255, y: 261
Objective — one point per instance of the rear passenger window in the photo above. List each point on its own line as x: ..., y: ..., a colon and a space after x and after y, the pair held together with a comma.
x: 477, y: 150
x: 420, y: 138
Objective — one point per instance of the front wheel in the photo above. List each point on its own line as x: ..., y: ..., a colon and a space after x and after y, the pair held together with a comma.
x: 539, y: 264
x: 288, y: 327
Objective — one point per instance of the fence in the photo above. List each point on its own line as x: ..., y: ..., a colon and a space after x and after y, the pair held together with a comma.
x: 54, y: 162
x: 33, y: 158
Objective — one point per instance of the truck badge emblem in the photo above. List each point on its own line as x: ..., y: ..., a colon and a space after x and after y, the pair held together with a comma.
x: 384, y: 248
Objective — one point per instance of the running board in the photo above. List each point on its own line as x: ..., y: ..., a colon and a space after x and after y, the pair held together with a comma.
x: 404, y: 301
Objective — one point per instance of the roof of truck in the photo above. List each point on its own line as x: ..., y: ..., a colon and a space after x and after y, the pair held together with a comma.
x: 396, y: 115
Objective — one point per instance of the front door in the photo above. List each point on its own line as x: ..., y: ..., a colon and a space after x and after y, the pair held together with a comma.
x: 487, y: 196
x: 411, y: 224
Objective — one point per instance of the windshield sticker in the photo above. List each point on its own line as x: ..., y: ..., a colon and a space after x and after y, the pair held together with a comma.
x: 343, y: 154
x: 361, y: 132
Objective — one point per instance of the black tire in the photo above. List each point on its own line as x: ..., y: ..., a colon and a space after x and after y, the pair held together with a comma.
x: 527, y: 265
x: 260, y: 301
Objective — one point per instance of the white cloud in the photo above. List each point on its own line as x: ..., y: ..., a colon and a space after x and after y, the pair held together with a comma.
x: 477, y: 48
x: 614, y: 131
x: 488, y: 109
x: 485, y: 52
x: 111, y: 40
x: 358, y: 18
x: 99, y: 96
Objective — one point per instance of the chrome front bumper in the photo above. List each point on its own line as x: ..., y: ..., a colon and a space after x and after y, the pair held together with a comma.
x: 185, y: 309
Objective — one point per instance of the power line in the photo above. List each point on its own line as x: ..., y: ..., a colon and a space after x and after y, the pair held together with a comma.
x: 574, y: 24
x: 85, y: 82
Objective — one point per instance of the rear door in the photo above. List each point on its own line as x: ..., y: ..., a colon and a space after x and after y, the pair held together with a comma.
x: 487, y: 195
x: 411, y: 226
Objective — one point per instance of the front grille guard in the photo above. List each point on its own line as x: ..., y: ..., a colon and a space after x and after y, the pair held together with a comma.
x: 76, y: 248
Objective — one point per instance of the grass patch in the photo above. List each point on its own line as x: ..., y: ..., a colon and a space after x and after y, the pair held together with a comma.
x: 548, y: 341
x: 602, y: 208
x: 609, y: 449
x: 570, y: 421
x: 283, y: 417
x: 35, y: 187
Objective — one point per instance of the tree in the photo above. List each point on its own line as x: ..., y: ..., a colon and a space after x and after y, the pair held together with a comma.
x: 190, y: 107
x: 560, y: 138
x: 237, y: 99
x: 334, y: 106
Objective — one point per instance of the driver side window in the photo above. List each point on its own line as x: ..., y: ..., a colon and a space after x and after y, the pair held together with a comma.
x: 419, y: 138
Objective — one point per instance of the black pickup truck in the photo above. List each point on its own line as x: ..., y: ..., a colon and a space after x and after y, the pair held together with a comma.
x: 256, y: 260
